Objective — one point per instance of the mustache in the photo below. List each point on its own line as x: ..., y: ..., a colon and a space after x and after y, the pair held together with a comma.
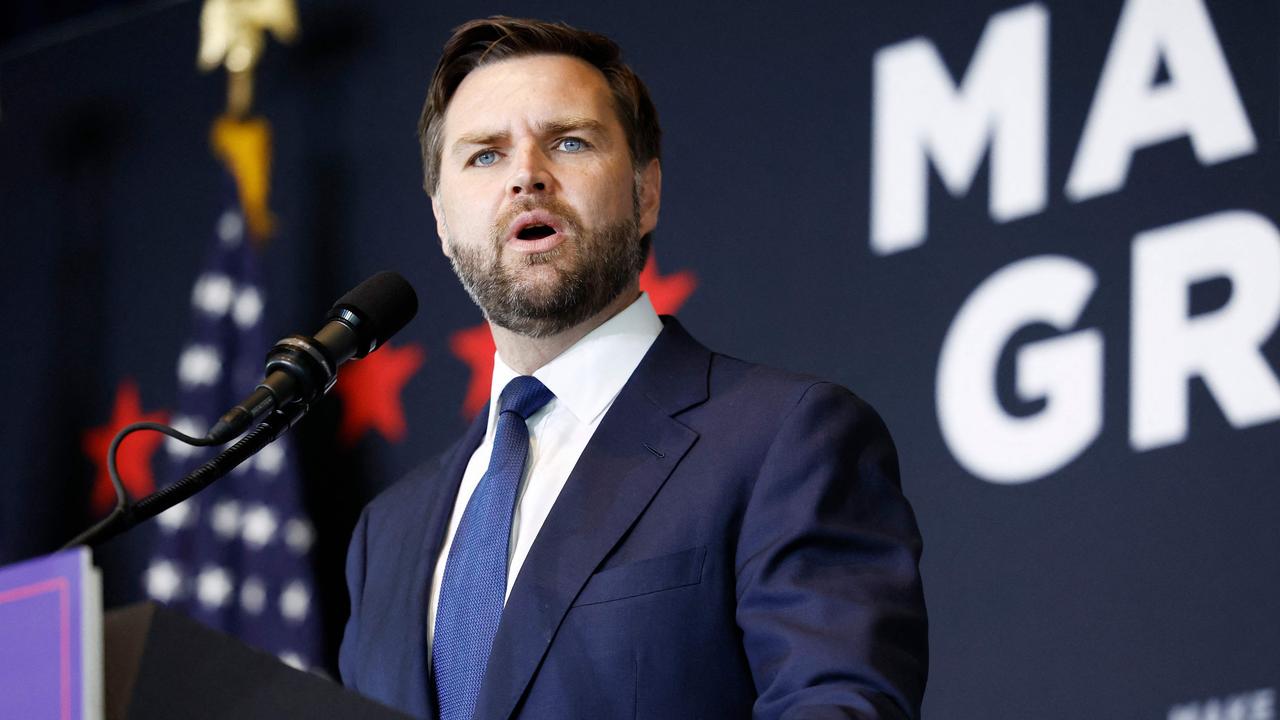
x: 524, y: 204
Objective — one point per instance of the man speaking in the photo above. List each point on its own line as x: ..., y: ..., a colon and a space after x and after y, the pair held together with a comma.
x: 637, y: 526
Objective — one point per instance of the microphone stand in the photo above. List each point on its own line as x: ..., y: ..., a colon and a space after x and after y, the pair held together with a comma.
x: 129, y: 516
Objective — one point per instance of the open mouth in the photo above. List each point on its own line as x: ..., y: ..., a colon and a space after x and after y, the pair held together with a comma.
x: 535, y: 232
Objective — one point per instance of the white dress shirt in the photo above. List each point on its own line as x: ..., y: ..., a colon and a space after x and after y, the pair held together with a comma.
x: 585, y: 380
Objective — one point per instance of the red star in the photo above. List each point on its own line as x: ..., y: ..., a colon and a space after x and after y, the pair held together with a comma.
x: 370, y: 391
x: 667, y: 292
x: 474, y: 345
x: 133, y: 458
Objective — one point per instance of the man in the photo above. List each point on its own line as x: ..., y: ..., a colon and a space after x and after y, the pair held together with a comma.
x: 637, y: 527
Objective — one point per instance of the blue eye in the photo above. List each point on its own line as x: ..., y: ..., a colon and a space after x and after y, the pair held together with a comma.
x: 485, y: 159
x: 573, y: 145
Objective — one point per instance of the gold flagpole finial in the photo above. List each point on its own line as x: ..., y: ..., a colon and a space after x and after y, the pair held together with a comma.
x: 231, y: 36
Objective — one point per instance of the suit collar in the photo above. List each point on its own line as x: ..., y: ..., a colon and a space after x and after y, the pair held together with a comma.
x: 630, y: 457
x: 676, y: 372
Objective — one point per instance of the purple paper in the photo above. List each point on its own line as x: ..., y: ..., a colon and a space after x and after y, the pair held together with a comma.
x: 40, y: 637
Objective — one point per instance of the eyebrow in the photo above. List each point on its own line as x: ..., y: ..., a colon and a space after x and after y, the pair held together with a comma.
x: 549, y: 127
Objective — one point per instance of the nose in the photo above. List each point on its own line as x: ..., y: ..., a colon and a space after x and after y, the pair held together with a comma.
x: 531, y: 173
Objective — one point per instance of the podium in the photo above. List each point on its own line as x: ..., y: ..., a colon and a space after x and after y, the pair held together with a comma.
x: 161, y: 664
x: 61, y: 658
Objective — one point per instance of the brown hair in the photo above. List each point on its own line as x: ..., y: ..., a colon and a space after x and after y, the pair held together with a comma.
x: 480, y: 42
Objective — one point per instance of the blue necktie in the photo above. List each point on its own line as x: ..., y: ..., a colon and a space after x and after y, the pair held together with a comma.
x: 475, y: 576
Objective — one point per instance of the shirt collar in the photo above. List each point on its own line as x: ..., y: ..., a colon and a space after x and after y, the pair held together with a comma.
x: 590, y: 374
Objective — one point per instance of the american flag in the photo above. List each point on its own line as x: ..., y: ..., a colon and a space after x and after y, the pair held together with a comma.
x: 237, y: 555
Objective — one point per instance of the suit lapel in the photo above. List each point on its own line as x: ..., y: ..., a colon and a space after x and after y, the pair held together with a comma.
x: 440, y: 491
x: 630, y: 456
x: 446, y: 488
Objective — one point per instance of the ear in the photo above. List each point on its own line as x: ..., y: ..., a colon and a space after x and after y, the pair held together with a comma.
x: 442, y: 228
x: 650, y: 180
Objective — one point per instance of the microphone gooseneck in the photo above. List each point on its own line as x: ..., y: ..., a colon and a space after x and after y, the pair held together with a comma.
x: 300, y: 370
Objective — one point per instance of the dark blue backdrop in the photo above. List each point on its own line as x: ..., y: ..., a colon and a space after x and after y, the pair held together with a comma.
x: 1116, y: 577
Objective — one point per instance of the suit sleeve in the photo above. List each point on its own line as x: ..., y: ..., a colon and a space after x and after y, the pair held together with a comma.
x: 348, y: 654
x: 829, y: 595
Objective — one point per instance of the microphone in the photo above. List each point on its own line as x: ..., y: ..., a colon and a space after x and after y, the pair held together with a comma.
x: 302, y: 369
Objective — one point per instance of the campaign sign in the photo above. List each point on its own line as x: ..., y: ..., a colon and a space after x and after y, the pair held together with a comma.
x: 51, y: 638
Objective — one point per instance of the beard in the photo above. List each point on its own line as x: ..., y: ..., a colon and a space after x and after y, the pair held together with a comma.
x: 591, y: 269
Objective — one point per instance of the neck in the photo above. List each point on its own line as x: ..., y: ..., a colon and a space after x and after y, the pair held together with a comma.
x: 526, y: 354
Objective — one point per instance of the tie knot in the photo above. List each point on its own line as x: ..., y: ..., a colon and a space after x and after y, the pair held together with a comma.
x: 524, y: 396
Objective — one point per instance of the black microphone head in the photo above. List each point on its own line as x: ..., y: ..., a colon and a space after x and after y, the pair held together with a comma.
x: 376, y: 309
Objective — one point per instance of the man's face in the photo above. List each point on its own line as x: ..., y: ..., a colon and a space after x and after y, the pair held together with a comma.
x: 539, y: 207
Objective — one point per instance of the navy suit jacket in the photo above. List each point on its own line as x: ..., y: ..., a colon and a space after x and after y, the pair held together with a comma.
x: 732, y: 541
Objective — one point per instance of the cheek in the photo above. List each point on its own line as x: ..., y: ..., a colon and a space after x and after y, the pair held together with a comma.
x: 468, y: 221
x: 610, y: 197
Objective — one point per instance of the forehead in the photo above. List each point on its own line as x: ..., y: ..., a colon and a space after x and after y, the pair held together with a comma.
x: 529, y: 89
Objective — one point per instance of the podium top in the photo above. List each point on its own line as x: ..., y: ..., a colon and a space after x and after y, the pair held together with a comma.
x: 161, y: 664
